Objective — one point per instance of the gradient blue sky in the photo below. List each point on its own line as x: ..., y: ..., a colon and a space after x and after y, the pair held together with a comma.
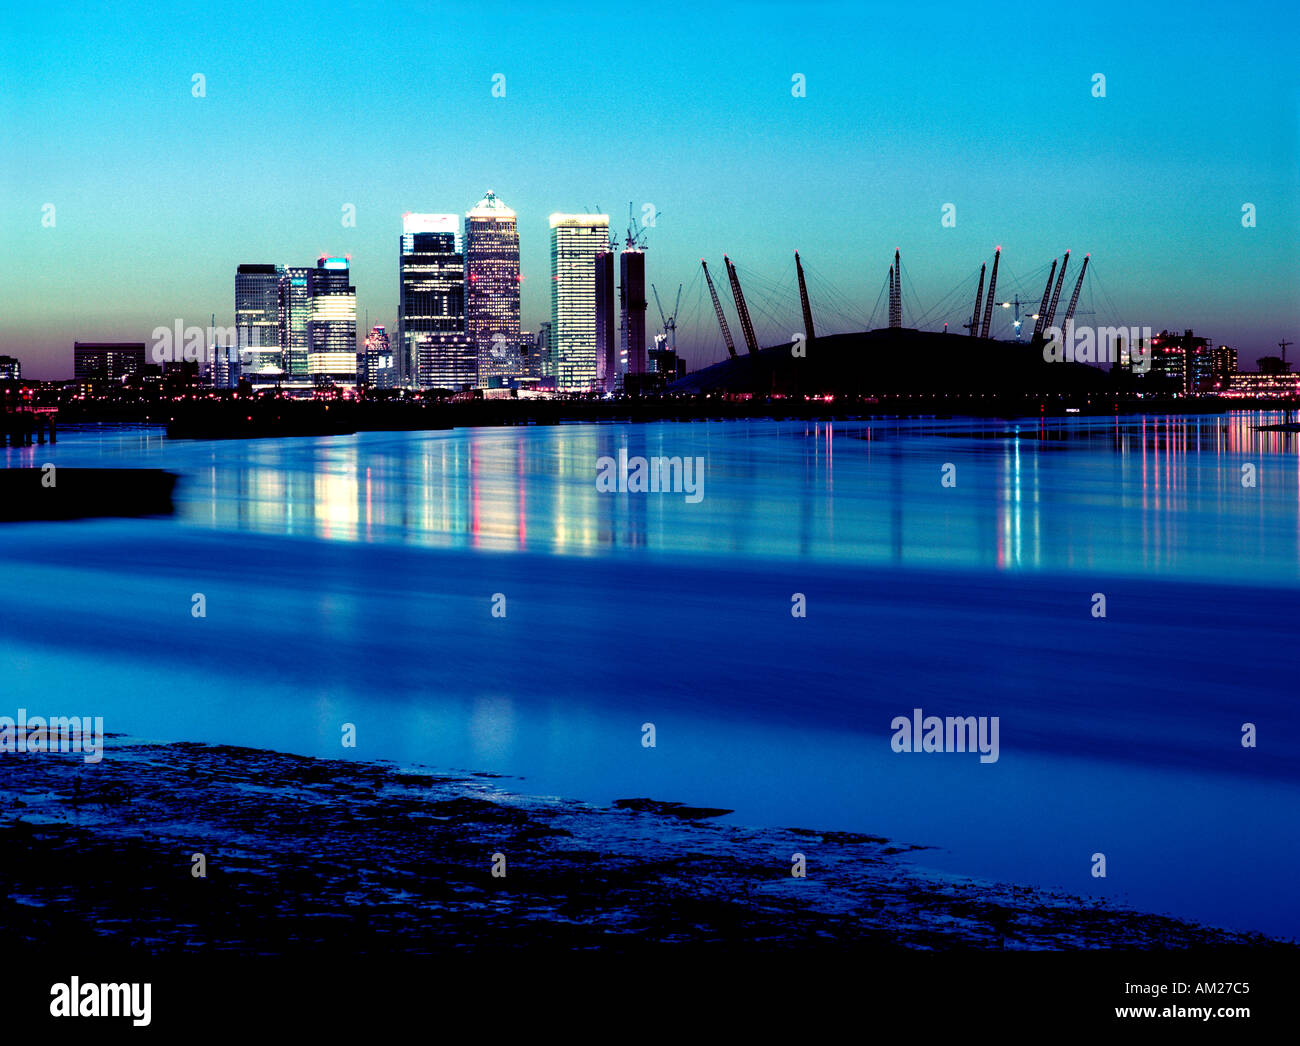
x: 159, y: 195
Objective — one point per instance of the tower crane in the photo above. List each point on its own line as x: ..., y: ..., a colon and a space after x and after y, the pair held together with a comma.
x: 669, y: 322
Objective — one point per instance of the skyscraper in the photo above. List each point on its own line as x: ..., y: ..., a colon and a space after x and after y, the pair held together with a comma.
x: 376, y: 370
x: 433, y: 350
x: 257, y: 323
x: 606, y: 332
x: 632, y: 306
x: 492, y: 288
x: 576, y: 239
x: 295, y: 311
x: 332, y: 322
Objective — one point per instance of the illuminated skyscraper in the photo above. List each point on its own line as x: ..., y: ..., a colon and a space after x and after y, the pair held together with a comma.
x: 257, y: 323
x: 492, y: 288
x: 606, y: 331
x: 332, y: 322
x: 295, y: 311
x: 376, y: 370
x: 432, y: 349
x: 576, y: 239
x: 632, y: 306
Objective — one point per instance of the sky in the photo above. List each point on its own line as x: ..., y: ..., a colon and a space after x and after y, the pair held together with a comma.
x: 158, y: 194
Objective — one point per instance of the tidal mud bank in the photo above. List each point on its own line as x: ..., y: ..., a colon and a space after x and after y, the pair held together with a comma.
x: 334, y: 857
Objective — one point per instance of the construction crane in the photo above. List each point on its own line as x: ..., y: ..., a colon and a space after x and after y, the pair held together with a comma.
x: 896, y: 292
x: 1017, y: 303
x: 993, y: 286
x: 669, y: 322
x: 1074, y: 298
x: 742, y: 310
x: 1282, y: 345
x: 1041, y: 314
x: 803, y: 300
x: 717, y: 307
x: 1056, y: 292
x: 974, y: 324
x: 635, y: 231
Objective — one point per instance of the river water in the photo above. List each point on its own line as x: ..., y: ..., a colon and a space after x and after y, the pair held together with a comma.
x: 352, y: 580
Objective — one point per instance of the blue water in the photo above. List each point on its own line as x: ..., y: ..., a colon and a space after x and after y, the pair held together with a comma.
x: 350, y: 580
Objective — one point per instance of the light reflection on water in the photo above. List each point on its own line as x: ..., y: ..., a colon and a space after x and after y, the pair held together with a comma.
x: 1123, y: 495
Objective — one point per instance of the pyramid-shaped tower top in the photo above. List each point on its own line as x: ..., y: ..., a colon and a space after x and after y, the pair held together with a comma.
x: 490, y: 207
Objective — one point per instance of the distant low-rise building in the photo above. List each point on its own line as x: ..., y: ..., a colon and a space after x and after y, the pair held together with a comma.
x: 106, y: 361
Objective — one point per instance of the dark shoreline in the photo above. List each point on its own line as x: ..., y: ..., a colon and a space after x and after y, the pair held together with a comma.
x: 343, y: 858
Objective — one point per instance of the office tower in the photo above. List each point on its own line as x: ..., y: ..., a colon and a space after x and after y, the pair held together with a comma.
x: 376, y: 368
x: 492, y: 288
x: 295, y: 311
x: 576, y: 239
x: 109, y: 361
x: 10, y: 369
x: 606, y: 332
x: 257, y: 323
x: 431, y: 340
x: 332, y: 323
x: 1184, y: 360
x: 632, y: 306
x: 545, y: 361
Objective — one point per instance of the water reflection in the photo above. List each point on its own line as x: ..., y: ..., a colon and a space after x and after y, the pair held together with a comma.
x: 1146, y: 493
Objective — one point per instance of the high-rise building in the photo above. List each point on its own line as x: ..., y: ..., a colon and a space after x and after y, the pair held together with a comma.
x: 376, y: 370
x: 606, y: 332
x: 431, y: 301
x: 109, y: 361
x: 1223, y: 365
x: 332, y: 322
x: 10, y: 369
x: 446, y: 361
x: 492, y: 288
x: 576, y: 239
x: 544, y: 359
x: 632, y: 307
x: 1184, y: 360
x: 257, y: 323
x: 295, y: 311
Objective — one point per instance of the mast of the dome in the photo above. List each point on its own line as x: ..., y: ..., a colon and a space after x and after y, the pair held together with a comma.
x: 1056, y: 293
x: 1074, y: 298
x: 751, y: 342
x: 717, y: 307
x: 1041, y: 318
x: 803, y: 300
x: 974, y: 324
x: 896, y: 293
x: 993, y: 286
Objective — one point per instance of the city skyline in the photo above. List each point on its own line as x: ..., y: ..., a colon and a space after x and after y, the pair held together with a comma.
x: 1151, y: 178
